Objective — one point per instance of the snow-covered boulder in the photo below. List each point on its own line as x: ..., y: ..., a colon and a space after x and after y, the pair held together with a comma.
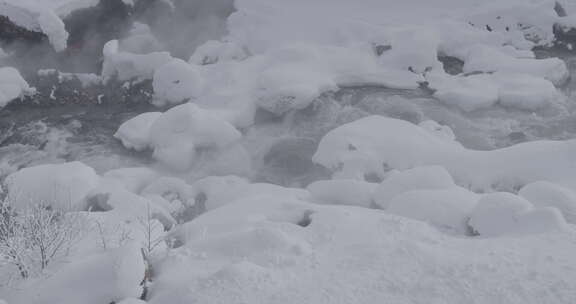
x: 132, y: 207
x: 214, y: 51
x: 486, y: 59
x: 504, y: 213
x: 102, y: 278
x: 133, y: 179
x: 132, y: 301
x: 342, y: 192
x: 547, y: 194
x: 128, y: 66
x: 526, y: 92
x: 374, y: 145
x: 419, y: 178
x: 12, y: 85
x: 482, y: 91
x: 41, y: 17
x: 176, y: 82
x: 58, y: 185
x: 442, y: 131
x: 177, y: 134
x: 217, y: 191
x: 134, y: 133
x: 448, y: 208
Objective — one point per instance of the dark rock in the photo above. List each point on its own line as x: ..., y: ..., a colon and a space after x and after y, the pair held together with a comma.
x: 452, y: 65
x: 10, y: 33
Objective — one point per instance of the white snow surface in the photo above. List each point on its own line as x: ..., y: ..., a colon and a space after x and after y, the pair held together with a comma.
x: 101, y: 278
x: 58, y: 185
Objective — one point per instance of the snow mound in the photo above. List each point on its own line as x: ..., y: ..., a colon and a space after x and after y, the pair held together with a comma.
x: 178, y: 133
x: 58, y: 185
x: 217, y: 191
x: 12, y: 85
x: 342, y: 192
x: 482, y: 91
x: 503, y: 213
x: 132, y: 179
x: 176, y: 82
x: 547, y: 194
x: 419, y: 178
x: 110, y: 196
x: 134, y: 132
x: 486, y: 59
x: 102, y: 278
x: 214, y: 51
x: 448, y: 209
x: 128, y: 66
x: 265, y: 250
x: 40, y: 16
x: 376, y: 144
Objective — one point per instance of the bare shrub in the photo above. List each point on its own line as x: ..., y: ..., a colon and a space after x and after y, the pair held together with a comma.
x: 32, y: 238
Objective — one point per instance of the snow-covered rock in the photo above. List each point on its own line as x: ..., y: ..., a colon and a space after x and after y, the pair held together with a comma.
x: 547, y: 194
x: 486, y: 59
x: 482, y: 91
x: 128, y: 205
x: 58, y: 185
x: 419, y: 178
x: 128, y: 66
x: 342, y: 192
x: 102, y: 278
x: 448, y: 209
x: 176, y: 82
x: 375, y: 144
x: 134, y: 133
x: 214, y: 51
x: 218, y: 191
x: 133, y: 179
x: 177, y: 134
x: 503, y: 213
x: 12, y: 85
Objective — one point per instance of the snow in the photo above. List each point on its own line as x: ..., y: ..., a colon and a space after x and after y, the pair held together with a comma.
x: 483, y: 91
x: 128, y: 205
x: 40, y: 16
x: 447, y: 209
x: 419, y: 178
x: 133, y: 179
x: 134, y: 132
x: 100, y: 278
x: 377, y: 144
x: 503, y: 213
x: 342, y: 192
x: 12, y: 85
x: 547, y: 194
x: 402, y: 213
x: 252, y: 251
x: 214, y: 51
x: 58, y: 185
x: 177, y: 134
x: 129, y: 66
x: 176, y: 82
x: 485, y: 59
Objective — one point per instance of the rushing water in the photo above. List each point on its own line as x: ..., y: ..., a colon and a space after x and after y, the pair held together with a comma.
x: 79, y: 123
